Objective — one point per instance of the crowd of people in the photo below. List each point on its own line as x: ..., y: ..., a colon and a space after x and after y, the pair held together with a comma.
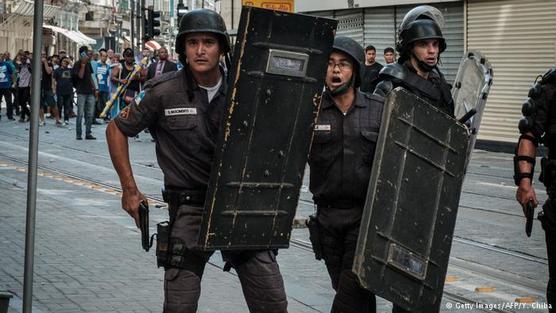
x: 77, y: 87
x: 80, y: 87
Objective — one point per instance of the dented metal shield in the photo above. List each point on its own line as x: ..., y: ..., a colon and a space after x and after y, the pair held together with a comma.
x: 412, y: 202
x: 275, y: 88
x: 470, y: 91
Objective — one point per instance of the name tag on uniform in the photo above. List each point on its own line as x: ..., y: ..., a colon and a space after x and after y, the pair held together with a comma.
x: 180, y: 111
x: 322, y: 127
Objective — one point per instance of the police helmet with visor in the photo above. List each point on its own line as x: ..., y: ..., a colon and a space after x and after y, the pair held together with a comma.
x: 421, y: 23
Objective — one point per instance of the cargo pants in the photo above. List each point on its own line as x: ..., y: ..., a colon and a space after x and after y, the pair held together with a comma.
x: 258, y: 271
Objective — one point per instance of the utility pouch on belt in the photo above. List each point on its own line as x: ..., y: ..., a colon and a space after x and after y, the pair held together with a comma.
x: 162, y: 239
x: 314, y: 235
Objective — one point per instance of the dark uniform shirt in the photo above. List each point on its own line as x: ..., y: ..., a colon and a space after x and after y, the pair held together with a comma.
x: 185, y: 130
x: 342, y: 151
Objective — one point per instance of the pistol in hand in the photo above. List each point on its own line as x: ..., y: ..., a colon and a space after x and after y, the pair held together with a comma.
x: 529, y: 215
x: 144, y: 225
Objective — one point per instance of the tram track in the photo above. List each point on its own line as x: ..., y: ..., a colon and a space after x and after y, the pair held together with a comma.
x: 155, y: 199
x: 304, y: 245
x: 103, y: 156
x: 158, y: 199
x: 300, y: 244
x: 54, y: 144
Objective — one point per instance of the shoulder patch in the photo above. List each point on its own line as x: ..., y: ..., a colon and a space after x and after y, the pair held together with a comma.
x: 124, y: 114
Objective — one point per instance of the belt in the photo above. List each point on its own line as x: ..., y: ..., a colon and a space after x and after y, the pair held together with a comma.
x: 179, y: 197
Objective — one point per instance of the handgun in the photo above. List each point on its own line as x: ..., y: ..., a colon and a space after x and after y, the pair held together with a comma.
x: 529, y: 213
x: 144, y: 224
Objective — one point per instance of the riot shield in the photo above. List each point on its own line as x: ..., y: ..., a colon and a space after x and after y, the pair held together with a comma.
x: 274, y: 93
x: 412, y: 202
x: 470, y: 92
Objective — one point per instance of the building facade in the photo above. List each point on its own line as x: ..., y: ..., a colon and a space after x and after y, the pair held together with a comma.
x: 517, y: 37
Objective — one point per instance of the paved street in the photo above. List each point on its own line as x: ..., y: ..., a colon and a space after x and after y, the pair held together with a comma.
x: 88, y: 255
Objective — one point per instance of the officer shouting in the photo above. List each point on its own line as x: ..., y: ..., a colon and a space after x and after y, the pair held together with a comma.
x: 340, y: 162
x: 183, y: 111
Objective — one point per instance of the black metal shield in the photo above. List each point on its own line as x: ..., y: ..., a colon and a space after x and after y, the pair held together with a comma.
x: 412, y: 202
x: 471, y: 89
x: 275, y: 89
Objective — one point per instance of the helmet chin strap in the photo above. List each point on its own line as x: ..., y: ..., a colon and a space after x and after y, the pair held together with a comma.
x: 342, y: 89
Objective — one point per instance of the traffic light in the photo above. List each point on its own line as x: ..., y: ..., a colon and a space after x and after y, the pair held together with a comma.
x: 152, y: 23
x: 146, y: 27
x: 182, y: 9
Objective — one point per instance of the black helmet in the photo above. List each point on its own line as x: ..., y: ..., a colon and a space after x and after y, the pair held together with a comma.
x: 355, y: 51
x: 422, y: 22
x: 420, y: 13
x: 202, y: 21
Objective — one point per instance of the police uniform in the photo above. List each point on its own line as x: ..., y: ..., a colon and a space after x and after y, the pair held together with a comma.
x: 540, y: 120
x: 185, y: 126
x: 340, y: 161
x: 434, y: 89
x: 420, y: 23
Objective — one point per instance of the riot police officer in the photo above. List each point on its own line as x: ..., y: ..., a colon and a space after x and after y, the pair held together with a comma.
x: 184, y: 112
x: 340, y: 163
x: 420, y: 43
x: 537, y: 126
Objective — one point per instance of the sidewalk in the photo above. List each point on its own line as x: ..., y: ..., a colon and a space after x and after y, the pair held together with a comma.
x: 88, y: 256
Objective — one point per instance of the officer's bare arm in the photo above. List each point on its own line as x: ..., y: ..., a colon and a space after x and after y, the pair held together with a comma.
x: 525, y: 160
x: 532, y: 127
x: 119, y: 154
x: 528, y: 149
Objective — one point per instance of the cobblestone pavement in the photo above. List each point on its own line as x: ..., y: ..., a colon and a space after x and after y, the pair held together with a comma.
x: 88, y: 256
